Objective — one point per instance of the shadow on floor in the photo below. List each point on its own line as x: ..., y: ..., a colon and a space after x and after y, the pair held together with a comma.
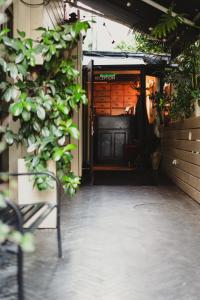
x: 134, y: 178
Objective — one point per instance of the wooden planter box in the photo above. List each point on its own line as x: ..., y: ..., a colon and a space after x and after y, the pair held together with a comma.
x: 27, y: 194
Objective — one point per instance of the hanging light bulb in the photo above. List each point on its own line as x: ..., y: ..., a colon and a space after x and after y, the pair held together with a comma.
x: 128, y: 4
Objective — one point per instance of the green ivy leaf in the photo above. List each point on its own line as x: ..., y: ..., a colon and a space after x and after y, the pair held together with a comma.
x: 3, y: 85
x: 16, y: 109
x: 22, y: 69
x: 64, y: 109
x: 3, y: 64
x: 27, y: 105
x: 13, y: 70
x: 48, y: 56
x: 32, y: 61
x: 5, y: 30
x: 74, y: 132
x: 36, y: 126
x: 19, y: 58
x: 61, y: 141
x: 9, y: 138
x: 10, y: 43
x: 41, y: 113
x: 31, y: 140
x: 46, y: 155
x: 52, y: 49
x: 29, y: 43
x: 7, y: 96
x: 70, y: 147
x: 53, y: 89
x: 58, y: 154
x: 84, y: 99
x: 39, y: 49
x: 26, y: 115
x: 41, y: 29
x: 32, y: 148
x: 35, y: 161
x: 21, y: 33
x: 68, y: 123
x: 67, y: 37
x: 45, y: 132
x: 10, y: 93
x: 56, y: 36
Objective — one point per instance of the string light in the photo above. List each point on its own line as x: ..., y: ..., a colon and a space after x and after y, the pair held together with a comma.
x: 113, y: 41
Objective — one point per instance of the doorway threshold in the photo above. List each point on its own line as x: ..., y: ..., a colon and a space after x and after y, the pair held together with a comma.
x: 113, y: 168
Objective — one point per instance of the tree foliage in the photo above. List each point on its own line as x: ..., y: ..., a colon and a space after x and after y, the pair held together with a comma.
x: 167, y: 24
x: 142, y: 43
x: 186, y: 81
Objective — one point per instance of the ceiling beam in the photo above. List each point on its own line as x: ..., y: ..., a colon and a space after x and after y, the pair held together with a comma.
x: 165, y: 10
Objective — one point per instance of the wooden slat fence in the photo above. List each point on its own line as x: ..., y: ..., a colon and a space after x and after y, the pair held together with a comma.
x: 181, y: 155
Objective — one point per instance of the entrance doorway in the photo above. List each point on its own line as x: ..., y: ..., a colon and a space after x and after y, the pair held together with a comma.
x: 118, y: 121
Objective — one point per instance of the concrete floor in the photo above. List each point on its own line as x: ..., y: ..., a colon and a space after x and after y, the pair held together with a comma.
x: 120, y: 243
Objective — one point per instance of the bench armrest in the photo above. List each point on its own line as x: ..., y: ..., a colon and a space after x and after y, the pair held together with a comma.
x: 19, y: 222
x: 50, y: 174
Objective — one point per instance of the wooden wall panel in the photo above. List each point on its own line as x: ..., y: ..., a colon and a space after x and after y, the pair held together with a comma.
x: 184, y: 134
x: 181, y: 155
x: 187, y: 156
x: 182, y: 144
x: 184, y: 171
x: 187, y: 123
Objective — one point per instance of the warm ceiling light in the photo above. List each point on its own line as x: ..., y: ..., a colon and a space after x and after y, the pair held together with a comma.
x: 128, y: 4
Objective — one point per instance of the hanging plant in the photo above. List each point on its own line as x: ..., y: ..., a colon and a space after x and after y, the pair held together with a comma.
x: 167, y: 24
x: 42, y: 99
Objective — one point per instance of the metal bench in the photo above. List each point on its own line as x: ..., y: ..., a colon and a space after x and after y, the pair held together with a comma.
x: 18, y: 215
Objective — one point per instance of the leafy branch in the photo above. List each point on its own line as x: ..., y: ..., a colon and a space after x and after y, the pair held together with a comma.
x: 43, y: 99
x: 167, y: 24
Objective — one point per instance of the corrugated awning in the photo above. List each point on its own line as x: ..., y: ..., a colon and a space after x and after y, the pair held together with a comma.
x: 145, y: 14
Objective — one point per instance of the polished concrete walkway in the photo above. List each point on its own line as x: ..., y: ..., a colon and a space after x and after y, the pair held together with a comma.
x: 120, y: 243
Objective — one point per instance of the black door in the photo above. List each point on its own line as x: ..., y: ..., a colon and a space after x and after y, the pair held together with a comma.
x: 113, y: 133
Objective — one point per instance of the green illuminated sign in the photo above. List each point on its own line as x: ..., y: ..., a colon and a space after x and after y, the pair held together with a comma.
x: 107, y: 76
